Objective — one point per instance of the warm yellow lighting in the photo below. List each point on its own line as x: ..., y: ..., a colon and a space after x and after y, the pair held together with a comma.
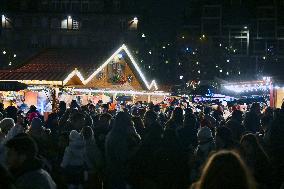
x: 123, y: 47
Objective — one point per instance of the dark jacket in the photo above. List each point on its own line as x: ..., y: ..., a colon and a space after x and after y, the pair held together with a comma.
x: 32, y: 176
x: 252, y: 122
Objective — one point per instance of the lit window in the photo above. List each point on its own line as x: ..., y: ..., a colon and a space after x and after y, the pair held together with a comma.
x: 70, y: 24
x: 133, y: 24
x: 6, y: 23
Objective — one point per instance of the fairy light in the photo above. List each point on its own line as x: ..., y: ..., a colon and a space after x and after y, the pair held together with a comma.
x: 123, y: 47
x: 157, y: 93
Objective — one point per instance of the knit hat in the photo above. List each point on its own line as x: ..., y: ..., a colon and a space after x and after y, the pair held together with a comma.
x: 204, y: 134
x: 36, y: 123
x: 74, y: 136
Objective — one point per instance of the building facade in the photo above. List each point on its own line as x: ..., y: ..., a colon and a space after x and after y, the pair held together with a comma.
x: 30, y: 26
x: 233, y: 39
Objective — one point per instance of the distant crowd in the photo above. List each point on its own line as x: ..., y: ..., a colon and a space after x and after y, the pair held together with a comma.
x: 142, y: 146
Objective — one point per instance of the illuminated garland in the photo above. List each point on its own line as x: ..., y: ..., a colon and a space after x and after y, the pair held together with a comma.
x: 123, y: 47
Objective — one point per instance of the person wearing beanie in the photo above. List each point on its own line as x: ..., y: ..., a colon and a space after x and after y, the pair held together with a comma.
x: 74, y: 159
x: 22, y: 162
x: 205, y: 146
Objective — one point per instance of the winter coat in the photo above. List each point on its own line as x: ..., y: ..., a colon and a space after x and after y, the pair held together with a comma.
x: 252, y: 122
x: 74, y: 154
x: 31, y: 176
x: 37, y: 179
x: 94, y: 156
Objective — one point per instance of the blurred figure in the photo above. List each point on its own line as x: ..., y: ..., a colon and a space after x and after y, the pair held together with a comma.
x: 176, y: 120
x: 73, y: 161
x: 171, y: 162
x: 224, y: 139
x: 62, y: 109
x: 11, y: 111
x: 24, y: 166
x: 150, y: 118
x: 209, y: 118
x: 6, y: 180
x: 252, y: 119
x: 120, y: 146
x: 139, y: 125
x: 6, y: 125
x: 143, y: 164
x: 235, y: 125
x: 276, y: 148
x: 205, y: 143
x: 101, y: 129
x: 94, y: 159
x: 1, y: 116
x: 205, y: 146
x: 77, y: 122
x: 188, y: 133
x: 225, y: 169
x: 256, y: 159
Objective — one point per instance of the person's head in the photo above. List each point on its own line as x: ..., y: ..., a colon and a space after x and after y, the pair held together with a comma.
x: 62, y: 106
x: 255, y: 108
x: 177, y: 114
x: 207, y: 110
x: 88, y: 133
x: 149, y: 118
x: 74, y: 104
x: 122, y: 122
x: 74, y: 137
x: 156, y: 108
x: 188, y: 111
x: 32, y: 108
x: 78, y: 121
x: 237, y: 115
x: 224, y: 138
x: 20, y: 118
x: 36, y: 124
x: 6, y: 124
x: 189, y: 121
x: 268, y: 111
x: 250, y: 146
x: 204, y: 135
x: 138, y: 123
x: 105, y: 119
x: 266, y: 122
x: 225, y: 169
x: 20, y: 150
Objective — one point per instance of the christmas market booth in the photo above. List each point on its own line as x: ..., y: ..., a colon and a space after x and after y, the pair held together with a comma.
x: 79, y: 74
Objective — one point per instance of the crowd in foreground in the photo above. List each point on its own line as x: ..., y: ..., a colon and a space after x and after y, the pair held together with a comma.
x: 142, y: 147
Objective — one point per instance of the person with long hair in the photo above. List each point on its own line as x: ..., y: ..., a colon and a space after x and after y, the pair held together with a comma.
x: 176, y: 120
x: 225, y: 169
x: 120, y: 146
x: 256, y: 159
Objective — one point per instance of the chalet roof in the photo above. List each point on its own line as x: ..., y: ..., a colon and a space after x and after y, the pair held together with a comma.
x: 63, y: 64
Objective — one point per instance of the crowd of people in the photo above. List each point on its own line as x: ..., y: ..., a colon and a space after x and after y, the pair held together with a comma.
x: 142, y: 147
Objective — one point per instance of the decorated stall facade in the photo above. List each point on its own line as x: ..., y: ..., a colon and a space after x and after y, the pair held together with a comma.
x: 83, y: 75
